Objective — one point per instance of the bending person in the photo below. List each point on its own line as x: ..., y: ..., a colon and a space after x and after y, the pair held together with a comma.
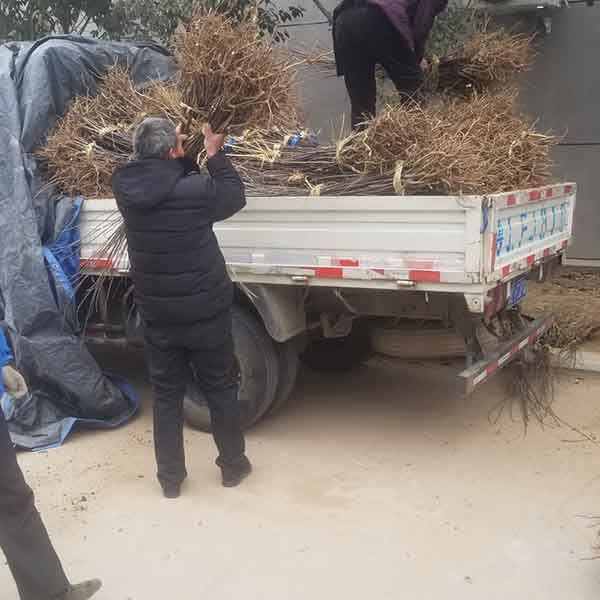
x: 391, y: 33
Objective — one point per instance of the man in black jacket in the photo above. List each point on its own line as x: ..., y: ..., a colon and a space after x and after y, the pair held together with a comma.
x: 182, y: 289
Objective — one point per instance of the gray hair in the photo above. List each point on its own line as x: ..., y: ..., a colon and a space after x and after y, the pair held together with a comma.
x: 153, y: 138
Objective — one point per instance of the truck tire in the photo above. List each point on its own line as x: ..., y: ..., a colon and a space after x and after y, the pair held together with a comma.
x: 339, y: 354
x: 289, y: 364
x: 418, y: 344
x: 423, y: 343
x: 259, y: 375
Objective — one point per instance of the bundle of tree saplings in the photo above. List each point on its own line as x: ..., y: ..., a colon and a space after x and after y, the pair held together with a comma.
x: 474, y: 146
x: 451, y: 146
x: 229, y: 76
x: 574, y: 300
x: 484, y: 62
x: 96, y: 134
x: 232, y: 78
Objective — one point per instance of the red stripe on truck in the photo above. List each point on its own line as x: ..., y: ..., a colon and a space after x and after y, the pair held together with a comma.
x: 345, y: 262
x: 535, y: 195
x: 492, y: 368
x: 96, y: 263
x: 428, y: 276
x: 329, y: 272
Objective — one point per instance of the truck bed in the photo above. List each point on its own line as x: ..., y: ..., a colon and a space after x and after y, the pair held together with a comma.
x: 463, y: 244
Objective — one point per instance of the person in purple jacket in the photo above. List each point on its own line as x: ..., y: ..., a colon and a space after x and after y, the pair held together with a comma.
x: 392, y: 33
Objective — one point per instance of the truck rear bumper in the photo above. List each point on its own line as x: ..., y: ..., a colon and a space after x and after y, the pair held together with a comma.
x: 483, y: 370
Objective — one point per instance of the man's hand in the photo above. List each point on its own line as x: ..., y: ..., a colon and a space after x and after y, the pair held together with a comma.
x: 178, y: 151
x: 424, y: 65
x: 213, y: 142
x: 13, y: 382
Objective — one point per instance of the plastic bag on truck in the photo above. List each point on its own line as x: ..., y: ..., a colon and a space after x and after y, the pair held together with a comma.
x: 37, y: 82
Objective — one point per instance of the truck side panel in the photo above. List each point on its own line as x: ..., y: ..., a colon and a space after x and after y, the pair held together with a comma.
x: 527, y: 228
x: 457, y: 244
x: 427, y: 239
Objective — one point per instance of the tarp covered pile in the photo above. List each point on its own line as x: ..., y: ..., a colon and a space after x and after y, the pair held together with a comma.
x: 39, y: 241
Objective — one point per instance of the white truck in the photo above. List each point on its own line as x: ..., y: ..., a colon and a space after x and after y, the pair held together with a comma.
x: 333, y: 279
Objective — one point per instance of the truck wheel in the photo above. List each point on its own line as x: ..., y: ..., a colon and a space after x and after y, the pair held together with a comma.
x: 423, y: 343
x: 259, y: 375
x: 339, y: 354
x: 418, y: 344
x: 289, y: 364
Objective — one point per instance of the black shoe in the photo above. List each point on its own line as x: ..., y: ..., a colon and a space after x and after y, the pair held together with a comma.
x: 233, y: 475
x: 172, y: 490
x: 81, y: 591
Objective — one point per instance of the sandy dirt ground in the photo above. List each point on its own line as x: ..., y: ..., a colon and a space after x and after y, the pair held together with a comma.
x: 383, y: 483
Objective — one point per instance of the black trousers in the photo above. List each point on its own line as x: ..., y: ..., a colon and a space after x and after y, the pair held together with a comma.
x: 206, y: 349
x: 364, y: 38
x: 31, y: 558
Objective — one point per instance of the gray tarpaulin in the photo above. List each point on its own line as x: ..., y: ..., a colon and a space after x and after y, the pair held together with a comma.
x: 37, y: 82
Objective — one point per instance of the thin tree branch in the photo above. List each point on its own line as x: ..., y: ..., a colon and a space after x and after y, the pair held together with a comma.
x: 325, y: 12
x: 81, y: 28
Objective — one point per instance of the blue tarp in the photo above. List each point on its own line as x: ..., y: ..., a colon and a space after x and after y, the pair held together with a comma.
x: 5, y: 357
x: 39, y: 239
x: 62, y: 260
x: 24, y: 410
